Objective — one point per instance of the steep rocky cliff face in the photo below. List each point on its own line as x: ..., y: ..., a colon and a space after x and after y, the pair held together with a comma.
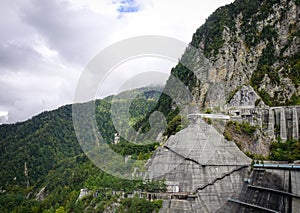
x: 246, y: 57
x: 252, y: 42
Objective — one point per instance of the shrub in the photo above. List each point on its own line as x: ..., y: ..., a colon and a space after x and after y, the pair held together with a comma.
x: 285, y: 151
x: 228, y: 136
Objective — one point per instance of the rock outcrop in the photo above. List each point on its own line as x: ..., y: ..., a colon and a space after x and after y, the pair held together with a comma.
x: 245, y: 97
x: 253, y: 43
x: 243, y: 60
x: 83, y: 193
x: 41, y: 195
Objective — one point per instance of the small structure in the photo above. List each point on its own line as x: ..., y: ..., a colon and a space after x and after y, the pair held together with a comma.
x: 117, y: 138
x: 172, y: 187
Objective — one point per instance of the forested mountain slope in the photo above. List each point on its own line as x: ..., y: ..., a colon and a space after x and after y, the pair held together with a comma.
x: 249, y: 42
x: 44, y: 152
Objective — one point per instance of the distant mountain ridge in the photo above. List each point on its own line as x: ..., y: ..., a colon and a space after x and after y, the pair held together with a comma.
x: 253, y: 43
x: 34, y: 150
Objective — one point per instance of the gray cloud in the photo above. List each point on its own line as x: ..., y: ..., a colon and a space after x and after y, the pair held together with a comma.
x: 76, y: 35
x: 17, y: 56
x: 29, y: 81
x: 45, y: 44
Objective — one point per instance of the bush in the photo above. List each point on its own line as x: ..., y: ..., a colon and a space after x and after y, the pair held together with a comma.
x: 176, y: 124
x: 228, y: 136
x: 295, y: 100
x: 247, y: 128
x: 136, y: 205
x: 208, y: 121
x: 285, y: 151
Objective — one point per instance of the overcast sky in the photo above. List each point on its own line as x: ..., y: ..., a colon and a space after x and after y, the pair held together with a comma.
x: 46, y: 44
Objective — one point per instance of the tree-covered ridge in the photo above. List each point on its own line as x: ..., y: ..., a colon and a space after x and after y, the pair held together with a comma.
x: 211, y: 32
x: 44, y: 152
x: 40, y: 142
x: 62, y: 187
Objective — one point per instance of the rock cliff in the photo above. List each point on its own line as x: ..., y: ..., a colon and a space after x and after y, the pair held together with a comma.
x: 246, y: 57
x: 253, y: 43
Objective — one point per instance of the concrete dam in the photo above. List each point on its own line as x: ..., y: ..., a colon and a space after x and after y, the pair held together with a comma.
x: 200, y: 162
x: 206, y: 173
x: 270, y: 188
x: 278, y: 122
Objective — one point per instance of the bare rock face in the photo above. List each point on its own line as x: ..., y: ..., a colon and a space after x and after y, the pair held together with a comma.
x: 245, y: 56
x: 257, y: 143
x: 202, y: 164
x: 41, y: 195
x: 260, y: 49
x: 246, y: 51
x: 83, y: 192
x: 245, y: 97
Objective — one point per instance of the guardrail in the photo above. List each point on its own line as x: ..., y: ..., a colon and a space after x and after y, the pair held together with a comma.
x: 278, y: 166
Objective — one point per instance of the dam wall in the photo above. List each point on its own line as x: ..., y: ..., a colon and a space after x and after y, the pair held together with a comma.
x: 277, y: 122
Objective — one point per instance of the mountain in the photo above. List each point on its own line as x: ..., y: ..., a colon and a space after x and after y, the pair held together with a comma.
x: 43, y: 166
x: 249, y: 42
x: 245, y: 55
x: 243, y: 62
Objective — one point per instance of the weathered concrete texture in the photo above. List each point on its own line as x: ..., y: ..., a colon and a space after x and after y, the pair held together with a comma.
x: 271, y: 122
x: 278, y: 122
x: 178, y: 206
x: 211, y: 198
x: 284, y: 185
x: 295, y: 189
x: 295, y: 124
x: 283, y: 134
x: 202, y: 162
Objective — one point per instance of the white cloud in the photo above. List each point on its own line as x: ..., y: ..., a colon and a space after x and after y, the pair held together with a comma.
x: 3, y: 117
x: 44, y: 45
x: 42, y: 48
x: 3, y: 113
x: 151, y: 70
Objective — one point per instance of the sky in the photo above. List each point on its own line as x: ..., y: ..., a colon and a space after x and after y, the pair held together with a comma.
x: 46, y: 44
